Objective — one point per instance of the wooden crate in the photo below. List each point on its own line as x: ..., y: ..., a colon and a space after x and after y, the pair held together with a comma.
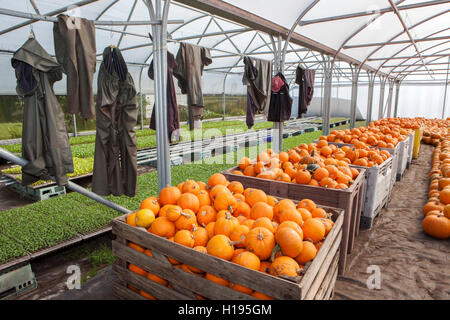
x: 316, y: 282
x: 350, y: 200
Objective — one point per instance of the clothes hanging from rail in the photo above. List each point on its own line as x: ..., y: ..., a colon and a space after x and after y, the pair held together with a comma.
x: 191, y: 60
x: 115, y: 159
x: 173, y: 120
x: 305, y: 79
x: 257, y: 77
x: 45, y: 143
x: 75, y: 50
x: 280, y: 100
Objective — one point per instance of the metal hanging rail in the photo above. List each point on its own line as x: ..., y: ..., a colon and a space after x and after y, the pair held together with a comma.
x: 37, y: 17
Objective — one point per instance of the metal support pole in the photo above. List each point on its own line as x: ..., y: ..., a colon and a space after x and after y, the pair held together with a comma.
x: 277, y: 136
x: 223, y: 96
x: 75, y: 131
x: 371, y: 77
x: 354, y: 98
x: 328, y: 79
x: 390, y: 97
x: 397, y: 92
x: 444, y: 105
x: 141, y: 108
x: 70, y: 185
x: 160, y: 84
x: 381, y: 102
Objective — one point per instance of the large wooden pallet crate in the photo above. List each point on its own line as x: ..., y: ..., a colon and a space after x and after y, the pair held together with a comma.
x: 316, y: 282
x: 350, y: 200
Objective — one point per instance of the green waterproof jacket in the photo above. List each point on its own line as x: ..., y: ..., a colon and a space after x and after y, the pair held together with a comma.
x: 45, y: 143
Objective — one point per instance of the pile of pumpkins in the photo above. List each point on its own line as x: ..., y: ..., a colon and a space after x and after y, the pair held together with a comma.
x: 436, y: 211
x: 374, y: 135
x: 434, y: 130
x: 312, y: 164
x: 225, y: 220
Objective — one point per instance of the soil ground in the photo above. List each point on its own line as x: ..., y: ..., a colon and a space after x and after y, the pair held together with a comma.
x: 411, y: 264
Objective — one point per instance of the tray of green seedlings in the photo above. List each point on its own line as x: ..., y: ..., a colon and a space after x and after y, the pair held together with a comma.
x: 74, y: 214
x: 10, y: 249
x: 13, y: 148
x: 83, y: 150
x: 33, y: 230
x: 82, y: 139
x: 82, y: 168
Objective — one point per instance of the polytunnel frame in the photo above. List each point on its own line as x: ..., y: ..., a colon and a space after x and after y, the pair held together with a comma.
x: 216, y: 7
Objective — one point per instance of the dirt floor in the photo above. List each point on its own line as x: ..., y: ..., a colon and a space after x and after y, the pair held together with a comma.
x: 411, y: 264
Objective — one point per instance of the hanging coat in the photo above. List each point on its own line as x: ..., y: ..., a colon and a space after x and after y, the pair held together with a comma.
x: 257, y: 77
x: 305, y: 80
x: 191, y: 60
x: 115, y: 159
x: 173, y: 120
x: 75, y: 50
x: 45, y: 143
x: 280, y: 100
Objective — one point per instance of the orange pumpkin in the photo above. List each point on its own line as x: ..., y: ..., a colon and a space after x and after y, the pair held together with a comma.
x: 190, y: 186
x: 189, y: 201
x: 185, y: 238
x: 162, y: 227
x: 220, y: 246
x: 261, y: 209
x: 314, y: 230
x: 285, y: 266
x: 261, y: 242
x: 290, y: 242
x: 169, y: 195
x: 307, y: 254
x: 152, y: 204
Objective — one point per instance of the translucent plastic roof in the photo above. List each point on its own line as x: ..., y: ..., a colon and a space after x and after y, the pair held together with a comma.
x: 362, y: 37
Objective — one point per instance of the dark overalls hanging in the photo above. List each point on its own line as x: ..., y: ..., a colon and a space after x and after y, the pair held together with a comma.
x: 115, y: 162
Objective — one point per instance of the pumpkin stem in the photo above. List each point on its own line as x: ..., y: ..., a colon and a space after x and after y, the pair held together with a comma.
x: 232, y: 243
x: 274, y: 252
x: 184, y: 214
x: 260, y: 236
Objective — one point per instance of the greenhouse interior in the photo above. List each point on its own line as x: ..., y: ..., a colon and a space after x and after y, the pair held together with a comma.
x: 224, y: 150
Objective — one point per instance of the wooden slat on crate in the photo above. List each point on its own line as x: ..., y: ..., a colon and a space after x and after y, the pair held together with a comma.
x: 208, y: 263
x: 328, y: 283
x: 155, y: 289
x: 163, y: 259
x: 126, y: 294
x: 321, y: 256
x: 197, y: 284
x: 319, y: 278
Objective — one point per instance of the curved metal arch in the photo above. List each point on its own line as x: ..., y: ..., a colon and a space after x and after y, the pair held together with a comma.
x: 399, y: 34
x: 404, y: 48
x: 416, y: 55
x: 291, y: 31
x: 365, y: 25
x: 109, y: 6
x: 409, y: 72
x: 188, y: 22
x: 439, y: 51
